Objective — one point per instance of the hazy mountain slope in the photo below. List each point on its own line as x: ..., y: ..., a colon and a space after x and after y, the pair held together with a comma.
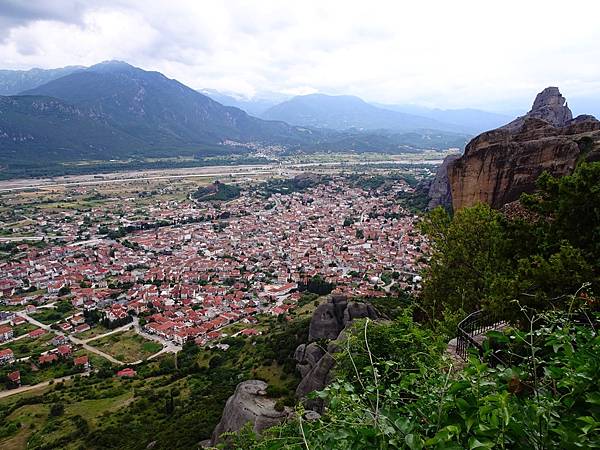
x: 254, y: 106
x: 34, y: 129
x: 159, y: 110
x: 13, y: 82
x: 471, y: 120
x: 345, y: 112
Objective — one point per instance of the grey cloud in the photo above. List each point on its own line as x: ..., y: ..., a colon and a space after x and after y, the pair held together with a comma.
x: 14, y: 13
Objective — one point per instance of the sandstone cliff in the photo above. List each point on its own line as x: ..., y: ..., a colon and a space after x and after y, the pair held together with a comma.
x: 499, y: 165
x: 249, y: 403
x: 439, y: 191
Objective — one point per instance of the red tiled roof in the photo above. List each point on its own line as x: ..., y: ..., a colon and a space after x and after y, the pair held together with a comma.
x: 37, y: 332
x: 80, y: 360
x: 14, y: 376
x: 48, y: 358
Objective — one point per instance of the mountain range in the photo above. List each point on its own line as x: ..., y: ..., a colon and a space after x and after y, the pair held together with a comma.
x: 13, y: 82
x: 342, y: 112
x: 113, y: 110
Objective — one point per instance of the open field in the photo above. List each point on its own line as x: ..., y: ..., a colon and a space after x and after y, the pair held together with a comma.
x: 127, y: 347
x: 297, y: 163
x: 30, y: 347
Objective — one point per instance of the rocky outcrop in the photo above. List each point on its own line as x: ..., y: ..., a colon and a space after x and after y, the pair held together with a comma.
x: 549, y: 106
x: 499, y: 165
x: 332, y: 317
x: 249, y: 403
x: 314, y: 362
x: 439, y: 191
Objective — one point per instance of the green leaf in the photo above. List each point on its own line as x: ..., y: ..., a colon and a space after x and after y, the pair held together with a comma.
x: 475, y: 443
x: 413, y: 442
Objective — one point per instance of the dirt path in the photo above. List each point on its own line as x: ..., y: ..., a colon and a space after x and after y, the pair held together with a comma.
x: 8, y: 393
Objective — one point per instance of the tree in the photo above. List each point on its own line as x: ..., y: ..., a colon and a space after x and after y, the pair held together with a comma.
x: 57, y: 409
x: 467, y: 259
x: 65, y: 290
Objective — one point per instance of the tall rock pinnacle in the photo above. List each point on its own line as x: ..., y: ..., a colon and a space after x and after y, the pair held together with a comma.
x: 550, y: 106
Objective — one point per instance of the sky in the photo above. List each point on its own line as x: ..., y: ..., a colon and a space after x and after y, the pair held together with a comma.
x: 488, y: 54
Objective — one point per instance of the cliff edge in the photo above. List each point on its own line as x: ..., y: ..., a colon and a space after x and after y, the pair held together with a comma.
x: 499, y: 165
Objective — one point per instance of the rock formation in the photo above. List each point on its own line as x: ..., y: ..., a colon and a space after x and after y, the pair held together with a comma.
x: 549, y: 106
x: 499, y: 165
x: 439, y: 191
x: 248, y: 404
x: 328, y: 322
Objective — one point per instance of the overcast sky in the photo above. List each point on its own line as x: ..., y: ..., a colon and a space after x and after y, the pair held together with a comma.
x: 446, y: 53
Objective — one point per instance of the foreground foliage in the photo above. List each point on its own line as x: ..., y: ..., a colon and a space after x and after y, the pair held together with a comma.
x: 409, y: 397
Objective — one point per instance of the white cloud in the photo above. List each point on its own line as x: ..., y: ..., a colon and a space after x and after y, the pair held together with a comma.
x: 441, y: 53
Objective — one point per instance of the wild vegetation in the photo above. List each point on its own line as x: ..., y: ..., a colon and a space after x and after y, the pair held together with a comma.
x: 174, y: 403
x: 217, y: 192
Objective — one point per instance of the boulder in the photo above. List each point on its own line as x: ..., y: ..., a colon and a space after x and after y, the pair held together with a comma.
x: 248, y: 404
x: 327, y: 320
x: 549, y: 106
x: 307, y: 357
x: 356, y: 310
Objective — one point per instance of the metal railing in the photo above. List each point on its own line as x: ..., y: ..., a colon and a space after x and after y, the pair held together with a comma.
x: 470, y: 328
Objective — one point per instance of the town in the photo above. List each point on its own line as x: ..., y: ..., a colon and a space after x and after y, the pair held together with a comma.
x: 126, y: 278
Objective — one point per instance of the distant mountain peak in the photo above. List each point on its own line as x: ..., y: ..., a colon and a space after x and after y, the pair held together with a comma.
x: 112, y: 66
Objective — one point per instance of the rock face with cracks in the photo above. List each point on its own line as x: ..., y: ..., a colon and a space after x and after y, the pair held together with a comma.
x: 439, y: 190
x: 249, y: 403
x: 499, y: 165
x: 314, y: 362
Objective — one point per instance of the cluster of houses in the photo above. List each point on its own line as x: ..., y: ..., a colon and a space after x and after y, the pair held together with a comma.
x: 192, y: 278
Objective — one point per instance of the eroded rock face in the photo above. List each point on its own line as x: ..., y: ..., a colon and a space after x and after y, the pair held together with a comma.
x: 248, y: 404
x: 315, y: 362
x: 439, y: 191
x: 330, y: 318
x: 499, y: 165
x: 549, y: 106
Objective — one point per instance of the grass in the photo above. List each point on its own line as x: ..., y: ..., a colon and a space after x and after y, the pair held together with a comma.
x: 48, y: 316
x: 24, y: 328
x: 91, y: 409
x: 38, y: 428
x: 28, y: 416
x: 272, y: 374
x: 127, y: 346
x: 27, y: 347
x: 96, y: 330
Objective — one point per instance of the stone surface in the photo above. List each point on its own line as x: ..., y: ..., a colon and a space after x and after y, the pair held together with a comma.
x: 549, y: 106
x: 331, y: 317
x: 439, y: 191
x: 248, y: 404
x: 315, y: 362
x: 307, y: 357
x: 498, y: 165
